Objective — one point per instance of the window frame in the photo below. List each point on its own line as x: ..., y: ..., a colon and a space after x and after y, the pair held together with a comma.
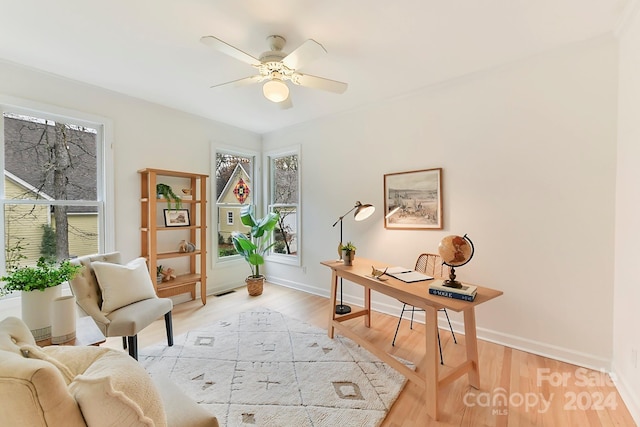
x: 104, y: 162
x: 296, y: 259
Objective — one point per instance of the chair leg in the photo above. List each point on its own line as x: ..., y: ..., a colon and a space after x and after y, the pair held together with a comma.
x: 450, y: 327
x: 398, y: 327
x: 440, y: 347
x: 169, y: 325
x: 124, y: 343
x: 133, y: 346
x: 413, y: 310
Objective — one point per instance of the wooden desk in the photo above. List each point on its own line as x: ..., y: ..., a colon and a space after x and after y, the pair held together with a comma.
x: 87, y: 333
x: 416, y: 294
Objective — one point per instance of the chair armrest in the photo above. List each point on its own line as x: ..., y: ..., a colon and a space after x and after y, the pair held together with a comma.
x: 181, y: 411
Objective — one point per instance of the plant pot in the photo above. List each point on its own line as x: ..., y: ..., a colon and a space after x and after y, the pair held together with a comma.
x: 36, y: 311
x: 348, y: 256
x: 255, y: 285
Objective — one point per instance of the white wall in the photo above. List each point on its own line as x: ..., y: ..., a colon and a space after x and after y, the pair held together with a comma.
x: 528, y: 157
x: 626, y: 335
x: 144, y: 135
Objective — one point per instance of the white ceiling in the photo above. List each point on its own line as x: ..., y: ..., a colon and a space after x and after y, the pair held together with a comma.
x: 150, y: 49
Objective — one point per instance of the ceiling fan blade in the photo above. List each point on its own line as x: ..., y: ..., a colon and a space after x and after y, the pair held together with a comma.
x: 227, y: 49
x: 286, y: 104
x: 320, y: 83
x: 307, y: 52
x: 242, y: 82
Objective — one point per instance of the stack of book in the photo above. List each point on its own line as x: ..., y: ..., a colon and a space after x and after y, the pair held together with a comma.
x: 466, y: 292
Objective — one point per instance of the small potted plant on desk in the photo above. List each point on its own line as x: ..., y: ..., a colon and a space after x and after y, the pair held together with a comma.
x: 39, y: 286
x: 348, y: 253
x: 254, y: 246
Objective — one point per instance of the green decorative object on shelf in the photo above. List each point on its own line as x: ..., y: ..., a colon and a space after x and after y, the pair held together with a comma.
x: 165, y: 191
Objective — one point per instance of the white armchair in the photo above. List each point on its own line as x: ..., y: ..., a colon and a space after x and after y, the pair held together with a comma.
x: 120, y: 298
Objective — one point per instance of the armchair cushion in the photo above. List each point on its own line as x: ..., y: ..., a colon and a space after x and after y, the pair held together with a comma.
x: 122, y: 285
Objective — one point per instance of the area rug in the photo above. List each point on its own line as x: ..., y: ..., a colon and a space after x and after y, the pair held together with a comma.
x: 262, y: 368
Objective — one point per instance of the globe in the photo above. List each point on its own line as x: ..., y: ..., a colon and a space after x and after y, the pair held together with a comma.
x: 455, y: 251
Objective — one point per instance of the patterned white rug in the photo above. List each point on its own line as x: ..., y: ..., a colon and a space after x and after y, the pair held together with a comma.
x: 261, y: 368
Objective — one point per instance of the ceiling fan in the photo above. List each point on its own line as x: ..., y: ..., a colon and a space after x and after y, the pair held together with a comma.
x: 275, y: 67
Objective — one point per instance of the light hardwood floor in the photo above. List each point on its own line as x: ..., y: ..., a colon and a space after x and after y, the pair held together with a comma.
x: 574, y: 396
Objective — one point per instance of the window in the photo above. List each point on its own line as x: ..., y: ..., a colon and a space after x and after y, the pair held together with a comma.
x: 53, y: 194
x: 235, y: 187
x: 284, y: 198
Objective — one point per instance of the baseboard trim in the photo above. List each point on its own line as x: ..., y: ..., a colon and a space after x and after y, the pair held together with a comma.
x: 530, y: 346
x: 631, y: 399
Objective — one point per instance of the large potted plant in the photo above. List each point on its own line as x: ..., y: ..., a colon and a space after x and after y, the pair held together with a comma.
x: 40, y: 285
x: 254, y: 246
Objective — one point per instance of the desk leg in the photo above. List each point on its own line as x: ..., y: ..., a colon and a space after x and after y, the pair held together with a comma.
x: 471, y: 342
x: 332, y: 303
x: 431, y: 362
x: 367, y: 306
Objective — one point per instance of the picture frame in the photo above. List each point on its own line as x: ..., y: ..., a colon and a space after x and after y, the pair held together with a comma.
x: 176, y: 218
x: 413, y: 200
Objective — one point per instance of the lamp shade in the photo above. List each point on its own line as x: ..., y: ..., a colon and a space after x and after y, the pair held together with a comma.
x: 363, y: 211
x: 275, y: 90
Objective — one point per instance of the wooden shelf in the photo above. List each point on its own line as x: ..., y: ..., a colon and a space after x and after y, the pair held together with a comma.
x: 167, y: 255
x: 150, y: 226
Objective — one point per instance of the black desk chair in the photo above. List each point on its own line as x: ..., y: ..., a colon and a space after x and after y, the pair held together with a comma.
x: 431, y: 265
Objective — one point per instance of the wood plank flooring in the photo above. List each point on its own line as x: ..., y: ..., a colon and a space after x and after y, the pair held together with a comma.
x: 518, y: 389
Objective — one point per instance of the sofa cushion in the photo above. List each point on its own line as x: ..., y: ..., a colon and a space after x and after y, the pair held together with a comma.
x: 122, y: 285
x: 116, y: 391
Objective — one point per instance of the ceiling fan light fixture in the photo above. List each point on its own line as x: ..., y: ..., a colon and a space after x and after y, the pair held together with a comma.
x: 275, y: 90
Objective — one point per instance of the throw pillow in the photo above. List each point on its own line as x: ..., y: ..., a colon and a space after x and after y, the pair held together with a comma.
x: 116, y: 391
x: 123, y: 284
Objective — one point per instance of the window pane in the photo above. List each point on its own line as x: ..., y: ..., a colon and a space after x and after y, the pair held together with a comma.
x: 52, y: 160
x: 234, y: 188
x: 30, y: 233
x: 47, y: 163
x: 286, y: 232
x: 284, y: 196
x: 285, y: 179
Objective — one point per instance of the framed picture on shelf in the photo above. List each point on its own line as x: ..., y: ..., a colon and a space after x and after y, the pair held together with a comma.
x: 413, y: 200
x: 176, y: 218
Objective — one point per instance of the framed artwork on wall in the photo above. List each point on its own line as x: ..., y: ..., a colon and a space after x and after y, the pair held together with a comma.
x: 413, y: 200
x: 176, y: 218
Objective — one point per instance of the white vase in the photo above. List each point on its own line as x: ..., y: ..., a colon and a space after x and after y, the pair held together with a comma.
x: 36, y: 311
x: 63, y: 319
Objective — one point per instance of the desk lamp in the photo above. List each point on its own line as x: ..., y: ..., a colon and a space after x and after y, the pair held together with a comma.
x: 362, y: 212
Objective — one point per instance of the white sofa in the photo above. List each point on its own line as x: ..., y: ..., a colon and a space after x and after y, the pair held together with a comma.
x: 84, y: 386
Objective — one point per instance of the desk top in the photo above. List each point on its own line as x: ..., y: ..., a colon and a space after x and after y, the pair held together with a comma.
x: 416, y: 293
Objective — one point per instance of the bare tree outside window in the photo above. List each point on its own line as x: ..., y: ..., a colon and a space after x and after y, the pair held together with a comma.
x: 50, y: 181
x: 284, y: 200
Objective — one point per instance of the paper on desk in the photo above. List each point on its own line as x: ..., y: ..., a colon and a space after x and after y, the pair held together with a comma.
x: 410, y: 276
x: 395, y: 270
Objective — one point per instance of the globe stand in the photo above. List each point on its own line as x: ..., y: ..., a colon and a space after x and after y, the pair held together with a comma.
x: 452, y: 282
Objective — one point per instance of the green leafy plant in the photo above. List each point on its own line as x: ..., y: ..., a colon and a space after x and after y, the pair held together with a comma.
x: 257, y: 243
x: 46, y: 274
x: 166, y: 191
x: 349, y: 247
